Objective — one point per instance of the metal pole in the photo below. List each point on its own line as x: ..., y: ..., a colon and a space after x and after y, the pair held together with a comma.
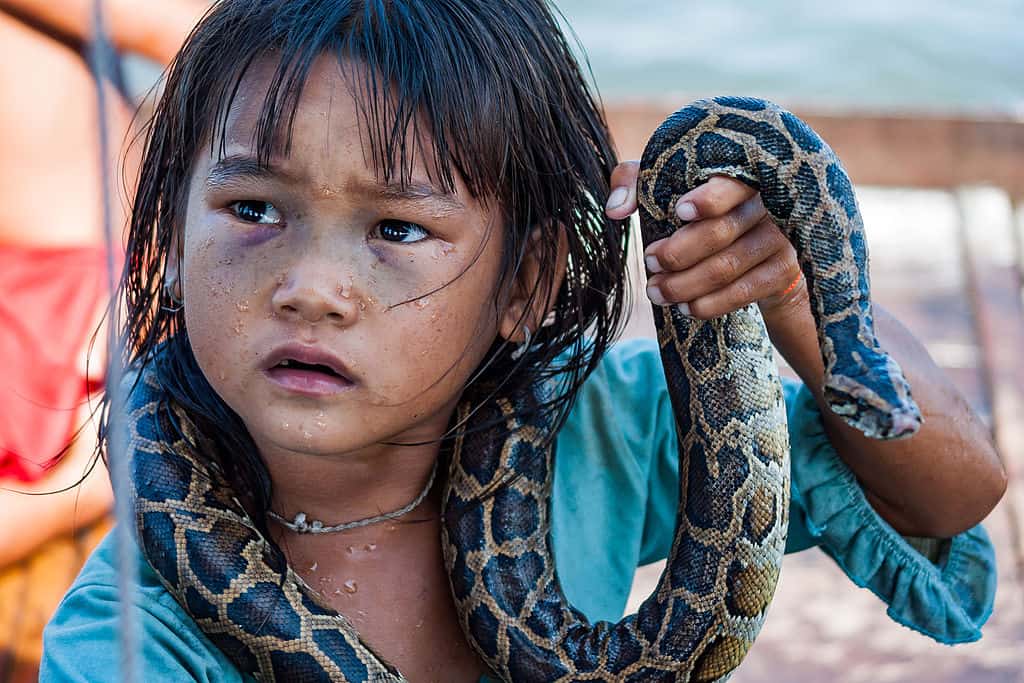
x: 101, y: 58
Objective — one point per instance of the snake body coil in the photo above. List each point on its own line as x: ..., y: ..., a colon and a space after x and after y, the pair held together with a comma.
x: 734, y: 475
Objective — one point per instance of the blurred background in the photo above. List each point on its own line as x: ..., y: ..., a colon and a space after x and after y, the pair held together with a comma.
x: 923, y: 101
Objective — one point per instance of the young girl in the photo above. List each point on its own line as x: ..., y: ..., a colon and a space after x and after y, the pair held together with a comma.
x: 352, y: 213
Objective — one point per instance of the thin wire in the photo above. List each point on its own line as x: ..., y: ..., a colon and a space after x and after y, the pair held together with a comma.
x: 101, y: 59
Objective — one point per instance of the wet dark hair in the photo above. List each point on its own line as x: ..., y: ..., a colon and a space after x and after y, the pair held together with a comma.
x: 495, y: 86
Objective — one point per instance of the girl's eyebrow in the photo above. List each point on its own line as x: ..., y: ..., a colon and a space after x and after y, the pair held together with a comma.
x: 412, y: 191
x: 235, y: 167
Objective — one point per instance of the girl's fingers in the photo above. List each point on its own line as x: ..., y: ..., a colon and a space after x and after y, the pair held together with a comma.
x: 721, y: 270
x: 718, y: 196
x: 758, y: 283
x: 699, y: 241
x: 622, y: 198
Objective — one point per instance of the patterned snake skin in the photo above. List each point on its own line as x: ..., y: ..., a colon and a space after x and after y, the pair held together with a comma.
x: 734, y: 473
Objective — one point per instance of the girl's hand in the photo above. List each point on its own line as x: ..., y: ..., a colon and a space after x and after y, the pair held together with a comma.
x: 729, y: 254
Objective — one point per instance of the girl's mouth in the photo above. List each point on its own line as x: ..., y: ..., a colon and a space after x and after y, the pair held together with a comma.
x: 310, y: 379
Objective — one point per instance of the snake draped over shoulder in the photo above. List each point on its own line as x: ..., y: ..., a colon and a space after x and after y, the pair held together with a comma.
x: 711, y: 600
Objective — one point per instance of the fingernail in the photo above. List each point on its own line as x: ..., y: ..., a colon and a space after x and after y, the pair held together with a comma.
x: 686, y: 211
x: 654, y: 294
x: 683, y: 308
x: 652, y: 263
x: 617, y: 197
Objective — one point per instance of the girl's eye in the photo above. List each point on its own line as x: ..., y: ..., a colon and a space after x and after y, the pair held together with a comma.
x: 252, y: 211
x: 401, y: 231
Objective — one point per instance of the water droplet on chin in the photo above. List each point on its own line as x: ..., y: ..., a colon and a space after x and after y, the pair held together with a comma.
x: 351, y: 586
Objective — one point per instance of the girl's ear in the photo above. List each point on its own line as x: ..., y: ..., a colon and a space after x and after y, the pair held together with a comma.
x: 172, y: 270
x: 544, y: 286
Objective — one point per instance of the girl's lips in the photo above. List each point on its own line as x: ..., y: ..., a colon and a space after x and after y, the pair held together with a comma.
x: 307, y: 382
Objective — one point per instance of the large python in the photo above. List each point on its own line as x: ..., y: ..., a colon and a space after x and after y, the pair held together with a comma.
x: 711, y: 599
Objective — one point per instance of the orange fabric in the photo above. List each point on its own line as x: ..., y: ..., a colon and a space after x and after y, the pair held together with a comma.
x: 48, y: 303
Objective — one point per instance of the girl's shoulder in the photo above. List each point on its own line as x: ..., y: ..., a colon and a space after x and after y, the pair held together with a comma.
x: 81, y: 641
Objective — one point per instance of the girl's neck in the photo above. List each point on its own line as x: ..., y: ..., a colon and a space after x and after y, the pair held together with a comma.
x: 344, y: 488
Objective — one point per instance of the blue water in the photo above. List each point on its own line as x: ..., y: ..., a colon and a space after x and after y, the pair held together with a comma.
x: 942, y: 55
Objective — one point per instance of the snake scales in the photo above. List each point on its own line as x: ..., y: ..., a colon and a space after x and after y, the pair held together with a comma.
x: 711, y: 599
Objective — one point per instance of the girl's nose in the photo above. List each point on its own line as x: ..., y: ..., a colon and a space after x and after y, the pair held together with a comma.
x: 315, y: 299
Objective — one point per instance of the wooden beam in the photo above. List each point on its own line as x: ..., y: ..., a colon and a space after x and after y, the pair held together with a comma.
x: 907, y: 149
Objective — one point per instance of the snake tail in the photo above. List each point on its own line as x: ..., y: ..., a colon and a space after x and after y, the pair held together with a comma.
x: 810, y: 197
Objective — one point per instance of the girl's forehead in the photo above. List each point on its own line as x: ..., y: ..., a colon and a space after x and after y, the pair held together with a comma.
x: 335, y: 117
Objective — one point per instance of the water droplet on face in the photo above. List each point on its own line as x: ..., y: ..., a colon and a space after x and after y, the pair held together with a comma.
x: 242, y: 306
x: 320, y: 424
x: 447, y: 249
x: 370, y: 547
x: 350, y: 586
x: 307, y: 435
x: 313, y: 567
x: 320, y: 413
x: 351, y: 549
x: 222, y: 375
x: 286, y: 426
x: 422, y: 303
x: 238, y: 327
x: 280, y: 279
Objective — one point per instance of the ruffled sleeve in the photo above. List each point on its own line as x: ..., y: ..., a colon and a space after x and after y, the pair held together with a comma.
x: 947, y: 597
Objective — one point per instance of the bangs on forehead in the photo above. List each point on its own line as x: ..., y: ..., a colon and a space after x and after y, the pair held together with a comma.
x: 419, y: 82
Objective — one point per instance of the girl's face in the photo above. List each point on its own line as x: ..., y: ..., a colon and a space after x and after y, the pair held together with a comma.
x: 301, y: 281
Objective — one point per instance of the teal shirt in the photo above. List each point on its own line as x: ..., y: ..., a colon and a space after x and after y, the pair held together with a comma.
x: 616, y: 490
